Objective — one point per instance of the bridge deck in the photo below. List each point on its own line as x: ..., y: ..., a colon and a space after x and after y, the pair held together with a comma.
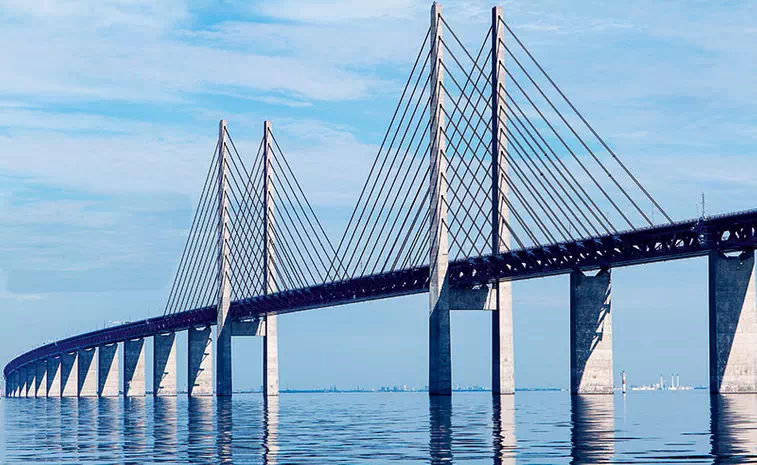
x: 679, y: 240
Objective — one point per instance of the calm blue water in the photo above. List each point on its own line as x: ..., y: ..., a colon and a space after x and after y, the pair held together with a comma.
x: 375, y: 428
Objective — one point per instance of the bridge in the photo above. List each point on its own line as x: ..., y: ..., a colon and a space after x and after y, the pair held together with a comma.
x: 487, y: 174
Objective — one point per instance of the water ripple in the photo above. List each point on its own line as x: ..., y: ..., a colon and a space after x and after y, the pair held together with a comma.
x: 378, y: 428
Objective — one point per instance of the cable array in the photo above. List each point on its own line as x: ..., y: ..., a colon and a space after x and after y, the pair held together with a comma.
x: 265, y: 195
x: 559, y: 181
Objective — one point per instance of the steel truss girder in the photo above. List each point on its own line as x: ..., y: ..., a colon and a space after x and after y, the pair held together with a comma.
x: 692, y: 238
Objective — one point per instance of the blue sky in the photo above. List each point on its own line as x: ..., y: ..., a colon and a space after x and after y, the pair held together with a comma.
x: 108, y: 115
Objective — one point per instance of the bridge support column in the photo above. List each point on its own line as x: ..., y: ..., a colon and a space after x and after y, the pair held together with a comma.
x: 40, y: 379
x: 87, y: 376
x: 270, y: 336
x: 53, y: 377
x: 17, y: 383
x: 21, y: 382
x: 590, y: 333
x: 164, y: 365
x: 200, y: 361
x: 733, y: 323
x: 69, y: 375
x: 223, y: 320
x: 439, y: 357
x: 30, y: 371
x: 107, y: 370
x: 134, y: 367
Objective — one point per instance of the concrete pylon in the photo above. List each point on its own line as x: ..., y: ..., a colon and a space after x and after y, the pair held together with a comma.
x: 53, y: 377
x: 733, y: 323
x: 503, y: 365
x: 134, y: 367
x: 87, y: 373
x: 200, y: 361
x: 69, y: 375
x: 31, y: 373
x: 270, y: 337
x: 21, y: 373
x: 40, y: 380
x: 223, y: 319
x: 591, y: 333
x: 439, y: 357
x: 164, y: 365
x: 107, y: 370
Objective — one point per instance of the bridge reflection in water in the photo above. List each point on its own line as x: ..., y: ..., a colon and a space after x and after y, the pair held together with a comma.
x: 352, y: 428
x: 733, y: 425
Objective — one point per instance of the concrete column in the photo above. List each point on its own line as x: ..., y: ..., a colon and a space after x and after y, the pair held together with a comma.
x: 270, y: 337
x: 107, y: 370
x: 21, y: 382
x: 590, y: 333
x: 12, y: 384
x: 164, y: 365
x: 200, y: 361
x: 40, y: 380
x: 31, y: 374
x: 69, y: 375
x: 17, y: 383
x: 223, y: 320
x: 87, y: 376
x: 503, y: 366
x: 733, y: 323
x: 439, y: 357
x: 134, y: 367
x: 53, y: 377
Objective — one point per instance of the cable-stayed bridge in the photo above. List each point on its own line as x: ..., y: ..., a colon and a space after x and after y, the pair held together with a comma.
x: 488, y: 173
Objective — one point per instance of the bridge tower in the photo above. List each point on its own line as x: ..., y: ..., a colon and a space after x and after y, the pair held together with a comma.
x: 223, y: 318
x: 503, y: 373
x: 440, y: 359
x: 270, y: 334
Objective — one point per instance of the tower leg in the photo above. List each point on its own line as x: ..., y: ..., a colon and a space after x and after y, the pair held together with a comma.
x: 271, y: 357
x: 503, y: 366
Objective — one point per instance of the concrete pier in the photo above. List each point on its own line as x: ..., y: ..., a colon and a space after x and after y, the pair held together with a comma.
x: 733, y: 323
x: 31, y: 373
x: 107, y: 370
x: 590, y: 333
x: 164, y: 365
x: 134, y: 368
x: 53, y: 377
x: 40, y: 380
x: 21, y: 374
x: 69, y: 375
x: 200, y: 361
x: 87, y: 376
x: 439, y: 339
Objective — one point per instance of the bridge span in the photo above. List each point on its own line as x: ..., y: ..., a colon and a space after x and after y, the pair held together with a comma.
x: 500, y: 186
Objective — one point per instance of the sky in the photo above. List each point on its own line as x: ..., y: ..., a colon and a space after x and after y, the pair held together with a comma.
x: 108, y: 119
